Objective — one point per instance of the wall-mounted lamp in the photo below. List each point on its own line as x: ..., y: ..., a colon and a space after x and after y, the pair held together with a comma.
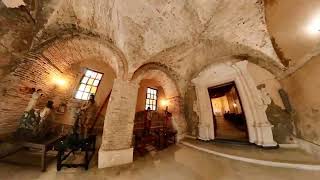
x: 59, y: 81
x: 234, y: 105
x: 165, y: 103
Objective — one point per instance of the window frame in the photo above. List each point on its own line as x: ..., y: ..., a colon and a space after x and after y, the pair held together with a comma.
x: 80, y: 82
x: 145, y: 102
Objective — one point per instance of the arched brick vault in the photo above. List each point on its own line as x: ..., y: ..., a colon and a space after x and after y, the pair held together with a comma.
x: 68, y: 49
x: 167, y: 78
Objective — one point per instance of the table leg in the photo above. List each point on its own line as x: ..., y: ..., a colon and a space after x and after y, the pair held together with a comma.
x: 59, y: 159
x: 44, y: 159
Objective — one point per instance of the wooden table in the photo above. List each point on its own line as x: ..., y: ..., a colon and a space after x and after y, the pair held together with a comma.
x: 43, y: 145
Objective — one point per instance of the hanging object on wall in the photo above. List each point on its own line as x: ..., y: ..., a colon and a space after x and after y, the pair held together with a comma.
x: 62, y: 108
x: 27, y: 90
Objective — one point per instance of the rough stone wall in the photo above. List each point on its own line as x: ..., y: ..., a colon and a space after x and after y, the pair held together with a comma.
x: 303, y: 88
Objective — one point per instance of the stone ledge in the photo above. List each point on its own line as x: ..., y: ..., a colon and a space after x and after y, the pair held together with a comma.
x: 114, y: 157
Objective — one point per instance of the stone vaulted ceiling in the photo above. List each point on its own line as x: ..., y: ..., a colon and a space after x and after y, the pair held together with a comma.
x: 183, y: 34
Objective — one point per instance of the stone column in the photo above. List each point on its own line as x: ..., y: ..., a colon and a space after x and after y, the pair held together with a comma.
x: 176, y: 108
x: 116, y: 146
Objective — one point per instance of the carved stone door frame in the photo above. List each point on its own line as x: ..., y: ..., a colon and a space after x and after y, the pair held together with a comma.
x: 259, y: 128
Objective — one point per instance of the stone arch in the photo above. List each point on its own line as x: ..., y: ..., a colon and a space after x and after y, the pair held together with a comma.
x: 150, y: 69
x: 53, y: 57
x: 80, y: 46
x: 167, y: 79
x: 219, y: 50
x: 271, y: 67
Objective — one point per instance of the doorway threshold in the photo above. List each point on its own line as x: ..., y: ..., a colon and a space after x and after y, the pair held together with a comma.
x: 229, y: 141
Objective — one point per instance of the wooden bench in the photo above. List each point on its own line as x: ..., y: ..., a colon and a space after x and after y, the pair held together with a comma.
x: 43, y: 145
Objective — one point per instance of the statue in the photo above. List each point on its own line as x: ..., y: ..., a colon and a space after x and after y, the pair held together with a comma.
x: 34, y: 99
x: 44, y: 114
x: 87, y: 115
x: 266, y: 100
x: 33, y: 124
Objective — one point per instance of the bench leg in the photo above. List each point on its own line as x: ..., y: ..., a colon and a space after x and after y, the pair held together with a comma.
x: 44, y: 159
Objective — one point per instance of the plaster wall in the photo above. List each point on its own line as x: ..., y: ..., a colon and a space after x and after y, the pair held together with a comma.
x: 303, y: 88
x: 288, y: 22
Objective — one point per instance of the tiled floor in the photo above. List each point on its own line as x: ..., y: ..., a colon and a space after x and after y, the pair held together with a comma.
x: 175, y: 163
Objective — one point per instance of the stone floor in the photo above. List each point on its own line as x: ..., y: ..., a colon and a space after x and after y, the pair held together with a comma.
x: 285, y: 155
x: 175, y: 163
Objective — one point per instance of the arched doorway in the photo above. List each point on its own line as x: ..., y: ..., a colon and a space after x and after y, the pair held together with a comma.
x: 171, y: 94
x: 253, y: 101
x: 66, y: 53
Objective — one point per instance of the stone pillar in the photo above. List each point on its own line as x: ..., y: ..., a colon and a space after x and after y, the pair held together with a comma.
x: 116, y: 146
x: 179, y: 123
x: 206, y: 126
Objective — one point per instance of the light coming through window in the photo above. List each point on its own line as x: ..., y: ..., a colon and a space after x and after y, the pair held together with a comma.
x: 88, y: 84
x: 151, y: 99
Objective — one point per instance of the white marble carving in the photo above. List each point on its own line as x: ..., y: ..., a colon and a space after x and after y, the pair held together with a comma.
x: 254, y: 102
